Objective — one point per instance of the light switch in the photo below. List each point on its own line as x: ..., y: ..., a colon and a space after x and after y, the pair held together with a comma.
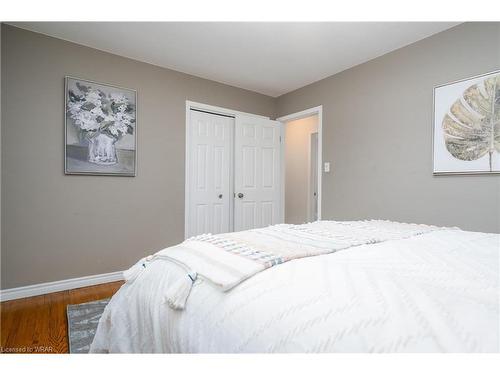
x: 327, y: 167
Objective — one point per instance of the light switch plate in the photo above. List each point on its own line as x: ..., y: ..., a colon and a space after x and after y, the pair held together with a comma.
x: 327, y: 167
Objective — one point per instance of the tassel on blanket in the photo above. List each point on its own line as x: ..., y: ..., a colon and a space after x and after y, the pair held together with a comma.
x: 133, y: 272
x: 178, y: 293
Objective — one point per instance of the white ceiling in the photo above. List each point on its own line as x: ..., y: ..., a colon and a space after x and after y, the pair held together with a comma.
x: 269, y: 58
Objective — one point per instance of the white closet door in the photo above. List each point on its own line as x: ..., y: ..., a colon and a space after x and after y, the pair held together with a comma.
x: 257, y: 172
x: 210, y: 173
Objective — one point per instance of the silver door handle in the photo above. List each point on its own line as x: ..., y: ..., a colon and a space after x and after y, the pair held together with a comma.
x: 220, y: 196
x: 240, y: 195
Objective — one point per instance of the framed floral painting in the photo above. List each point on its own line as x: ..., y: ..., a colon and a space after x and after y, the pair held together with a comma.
x: 467, y: 126
x: 100, y: 129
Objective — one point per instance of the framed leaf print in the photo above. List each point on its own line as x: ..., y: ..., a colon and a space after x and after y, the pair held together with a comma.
x: 467, y: 126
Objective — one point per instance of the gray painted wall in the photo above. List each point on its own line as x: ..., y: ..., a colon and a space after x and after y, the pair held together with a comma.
x: 57, y: 227
x: 377, y: 133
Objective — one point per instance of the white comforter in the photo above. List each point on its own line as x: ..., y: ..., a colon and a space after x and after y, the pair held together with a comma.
x: 437, y: 292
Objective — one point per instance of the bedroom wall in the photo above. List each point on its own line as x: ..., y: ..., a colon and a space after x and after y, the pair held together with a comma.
x: 58, y: 227
x: 377, y: 120
x: 377, y: 134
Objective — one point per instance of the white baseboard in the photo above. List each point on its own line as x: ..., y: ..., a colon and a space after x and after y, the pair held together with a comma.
x: 58, y: 286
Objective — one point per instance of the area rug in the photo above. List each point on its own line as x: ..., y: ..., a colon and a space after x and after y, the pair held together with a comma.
x: 82, y: 324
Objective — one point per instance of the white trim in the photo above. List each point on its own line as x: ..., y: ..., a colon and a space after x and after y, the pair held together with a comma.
x: 318, y: 111
x: 58, y: 286
x: 231, y: 177
x: 187, y: 162
x: 302, y: 114
x: 282, y: 170
x: 217, y: 110
x: 310, y: 190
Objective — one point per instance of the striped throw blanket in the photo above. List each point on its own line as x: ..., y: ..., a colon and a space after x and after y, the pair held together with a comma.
x: 228, y: 259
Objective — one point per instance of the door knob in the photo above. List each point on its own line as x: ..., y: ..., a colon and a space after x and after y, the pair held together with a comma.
x: 220, y: 196
x: 240, y: 195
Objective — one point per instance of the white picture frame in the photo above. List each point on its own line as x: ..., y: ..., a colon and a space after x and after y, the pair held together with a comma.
x: 116, y: 154
x: 465, y: 140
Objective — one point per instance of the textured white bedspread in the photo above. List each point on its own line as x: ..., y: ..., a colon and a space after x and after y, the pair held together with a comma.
x: 437, y: 292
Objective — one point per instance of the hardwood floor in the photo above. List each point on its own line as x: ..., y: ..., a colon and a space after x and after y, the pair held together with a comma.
x: 38, y: 324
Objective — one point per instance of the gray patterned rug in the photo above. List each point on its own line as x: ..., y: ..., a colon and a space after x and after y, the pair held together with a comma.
x: 82, y: 324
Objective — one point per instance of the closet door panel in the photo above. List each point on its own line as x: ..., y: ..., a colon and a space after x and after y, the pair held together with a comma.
x: 210, y: 142
x: 257, y: 172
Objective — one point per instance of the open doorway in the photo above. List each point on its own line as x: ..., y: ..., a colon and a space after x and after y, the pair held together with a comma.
x: 302, y: 166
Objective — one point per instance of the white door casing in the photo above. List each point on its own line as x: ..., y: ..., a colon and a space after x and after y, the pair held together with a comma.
x: 313, y: 178
x: 257, y: 172
x: 295, y: 116
x: 210, y: 140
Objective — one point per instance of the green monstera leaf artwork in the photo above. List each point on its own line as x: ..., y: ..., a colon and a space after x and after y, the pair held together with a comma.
x: 471, y: 127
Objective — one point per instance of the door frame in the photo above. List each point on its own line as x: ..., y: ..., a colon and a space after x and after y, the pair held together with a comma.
x: 217, y: 111
x: 315, y: 111
x: 310, y: 201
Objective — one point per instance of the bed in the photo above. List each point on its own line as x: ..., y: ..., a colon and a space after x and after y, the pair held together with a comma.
x: 429, y: 290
